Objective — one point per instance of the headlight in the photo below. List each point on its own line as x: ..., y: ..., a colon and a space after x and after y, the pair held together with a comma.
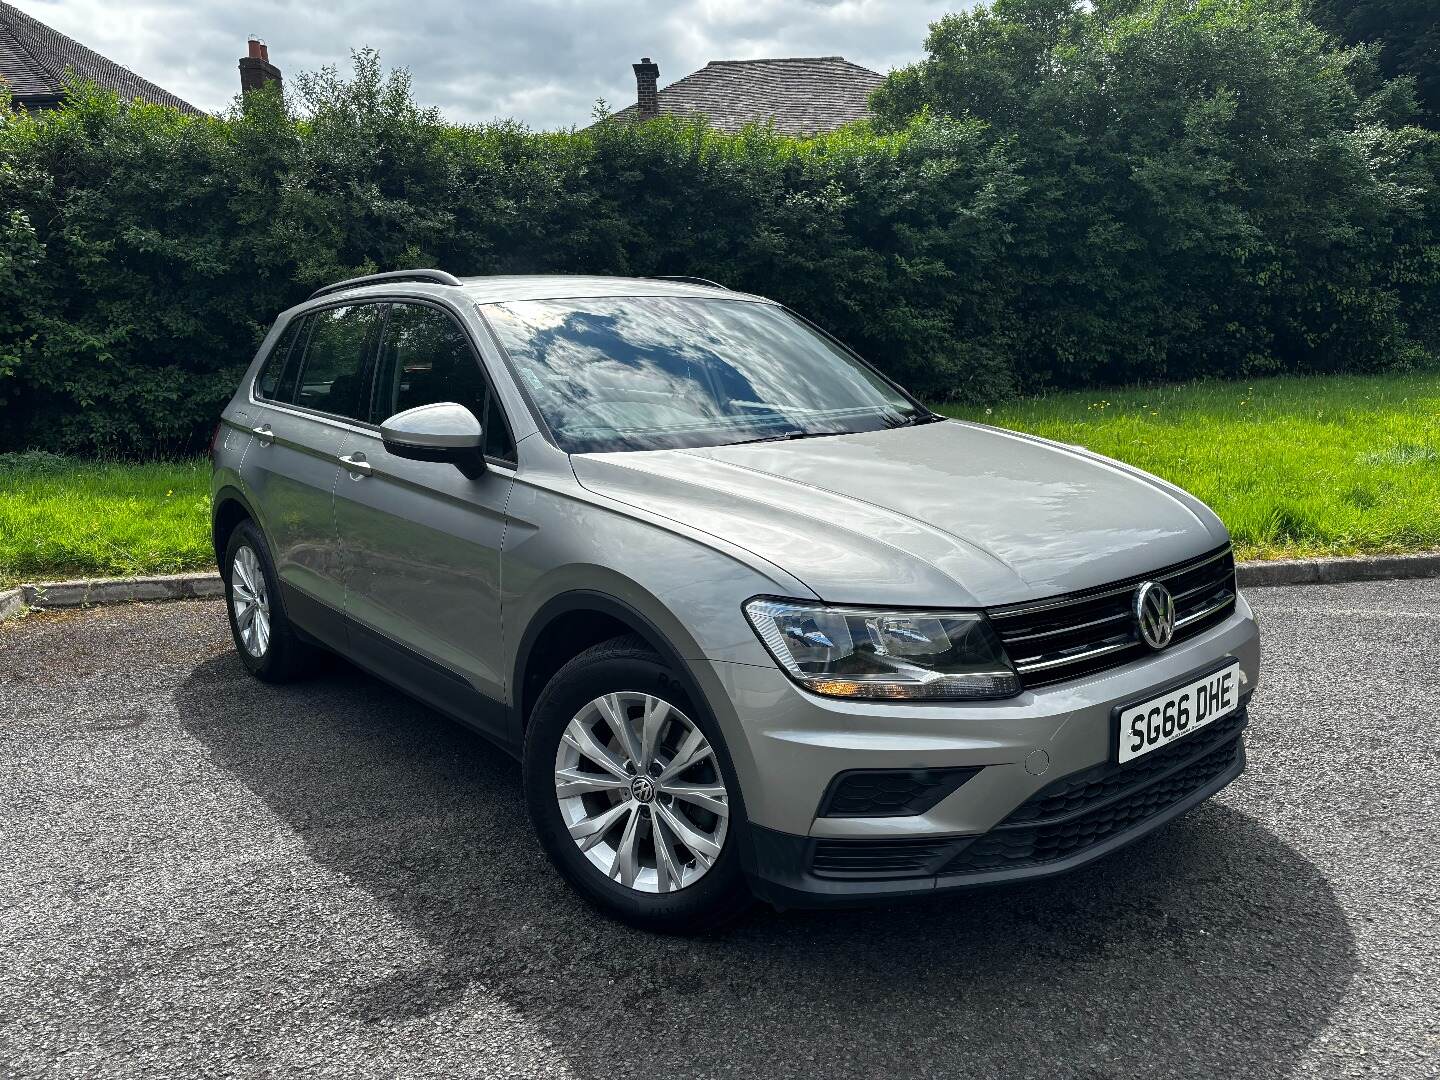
x: 856, y: 653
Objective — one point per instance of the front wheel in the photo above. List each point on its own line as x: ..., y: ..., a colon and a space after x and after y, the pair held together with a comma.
x: 631, y: 792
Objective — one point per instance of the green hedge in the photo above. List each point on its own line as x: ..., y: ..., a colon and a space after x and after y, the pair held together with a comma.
x: 1056, y: 197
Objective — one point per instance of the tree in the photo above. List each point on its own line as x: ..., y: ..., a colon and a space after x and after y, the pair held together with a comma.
x: 1408, y: 32
x: 1212, y: 184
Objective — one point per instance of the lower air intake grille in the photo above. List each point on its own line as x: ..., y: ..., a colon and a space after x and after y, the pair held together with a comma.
x: 1083, y: 791
x: 880, y: 858
x: 1008, y: 848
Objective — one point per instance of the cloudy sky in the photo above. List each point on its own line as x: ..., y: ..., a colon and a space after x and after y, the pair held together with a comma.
x: 543, y: 63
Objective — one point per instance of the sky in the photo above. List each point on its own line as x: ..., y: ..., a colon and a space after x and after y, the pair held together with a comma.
x: 543, y: 63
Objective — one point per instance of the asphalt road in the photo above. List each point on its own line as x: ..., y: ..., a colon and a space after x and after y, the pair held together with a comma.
x: 202, y: 875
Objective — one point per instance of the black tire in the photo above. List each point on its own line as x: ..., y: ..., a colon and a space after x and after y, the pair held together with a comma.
x: 621, y: 665
x: 285, y: 656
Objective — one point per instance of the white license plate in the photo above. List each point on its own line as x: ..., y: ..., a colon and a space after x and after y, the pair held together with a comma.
x: 1158, y: 722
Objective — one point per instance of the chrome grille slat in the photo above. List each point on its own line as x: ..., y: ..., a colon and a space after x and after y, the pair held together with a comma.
x: 1181, y: 597
x: 1198, y: 615
x: 1025, y: 667
x: 1046, y: 647
x: 1068, y: 629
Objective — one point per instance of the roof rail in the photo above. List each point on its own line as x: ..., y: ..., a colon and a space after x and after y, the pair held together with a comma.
x: 688, y: 279
x: 434, y: 277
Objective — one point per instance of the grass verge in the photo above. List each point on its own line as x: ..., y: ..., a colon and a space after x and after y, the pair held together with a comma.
x: 1295, y: 467
x: 61, y: 517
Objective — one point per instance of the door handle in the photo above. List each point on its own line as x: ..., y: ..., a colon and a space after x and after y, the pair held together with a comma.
x: 357, y: 465
x: 264, y: 434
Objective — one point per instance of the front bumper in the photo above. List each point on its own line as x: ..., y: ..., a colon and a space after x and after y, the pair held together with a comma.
x: 788, y: 745
x: 800, y: 871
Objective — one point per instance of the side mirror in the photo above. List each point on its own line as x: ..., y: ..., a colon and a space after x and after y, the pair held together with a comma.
x: 444, y: 432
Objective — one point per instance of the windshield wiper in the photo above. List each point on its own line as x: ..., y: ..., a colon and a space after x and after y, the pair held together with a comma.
x: 787, y: 436
x: 916, y: 419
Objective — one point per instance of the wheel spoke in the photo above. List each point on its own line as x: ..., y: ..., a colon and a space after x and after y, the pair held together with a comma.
x: 626, y: 864
x: 591, y: 831
x: 693, y: 750
x: 579, y: 735
x: 613, y: 713
x: 243, y: 571
x: 668, y: 874
x: 706, y: 796
x: 262, y: 630
x: 572, y: 782
x: 705, y: 850
x: 656, y: 713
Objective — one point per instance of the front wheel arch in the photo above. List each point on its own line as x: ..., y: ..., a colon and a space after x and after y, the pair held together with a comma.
x: 604, y: 616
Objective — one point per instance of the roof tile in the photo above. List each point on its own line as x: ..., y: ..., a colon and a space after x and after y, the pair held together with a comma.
x: 34, y: 59
x: 800, y: 95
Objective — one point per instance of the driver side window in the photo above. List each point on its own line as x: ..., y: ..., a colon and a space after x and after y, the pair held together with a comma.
x: 425, y: 357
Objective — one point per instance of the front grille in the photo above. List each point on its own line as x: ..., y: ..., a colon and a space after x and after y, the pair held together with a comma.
x: 1065, y: 637
x: 890, y: 792
x: 1009, y: 848
x: 916, y: 857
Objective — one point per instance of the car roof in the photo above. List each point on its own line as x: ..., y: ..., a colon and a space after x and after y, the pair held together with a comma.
x: 503, y: 287
x: 486, y: 290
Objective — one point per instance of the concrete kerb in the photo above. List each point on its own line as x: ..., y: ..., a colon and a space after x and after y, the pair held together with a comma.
x: 93, y: 592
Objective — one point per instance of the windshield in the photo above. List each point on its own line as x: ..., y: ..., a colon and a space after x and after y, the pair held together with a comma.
x: 657, y: 372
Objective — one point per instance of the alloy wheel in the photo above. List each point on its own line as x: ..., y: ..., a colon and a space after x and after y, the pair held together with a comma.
x: 641, y: 792
x: 250, y: 600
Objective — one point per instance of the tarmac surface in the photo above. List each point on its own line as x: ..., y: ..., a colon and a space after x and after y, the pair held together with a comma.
x: 206, y: 876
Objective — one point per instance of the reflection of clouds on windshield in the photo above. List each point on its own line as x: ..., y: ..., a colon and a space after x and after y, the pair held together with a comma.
x: 645, y: 372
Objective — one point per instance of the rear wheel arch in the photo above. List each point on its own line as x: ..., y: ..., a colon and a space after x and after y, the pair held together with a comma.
x: 230, y: 509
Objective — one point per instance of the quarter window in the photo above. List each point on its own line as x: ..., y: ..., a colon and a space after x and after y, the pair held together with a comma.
x: 335, y: 374
x: 269, y: 382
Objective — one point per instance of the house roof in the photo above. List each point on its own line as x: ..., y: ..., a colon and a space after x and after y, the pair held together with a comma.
x: 801, y: 95
x: 34, y: 60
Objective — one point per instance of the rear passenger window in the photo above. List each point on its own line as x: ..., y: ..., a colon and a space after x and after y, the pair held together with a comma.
x: 335, y: 374
x: 269, y: 381
x: 426, y: 358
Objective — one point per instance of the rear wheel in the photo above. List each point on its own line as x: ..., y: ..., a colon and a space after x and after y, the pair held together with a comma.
x: 631, y: 792
x: 268, y: 644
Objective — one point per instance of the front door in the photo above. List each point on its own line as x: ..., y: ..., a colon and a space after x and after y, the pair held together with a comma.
x: 421, y: 541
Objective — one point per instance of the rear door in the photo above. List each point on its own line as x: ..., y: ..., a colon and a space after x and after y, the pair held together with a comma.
x: 311, y: 400
x: 421, y: 540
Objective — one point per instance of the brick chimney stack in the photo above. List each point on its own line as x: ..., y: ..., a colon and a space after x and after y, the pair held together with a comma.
x: 647, y: 93
x: 256, y: 69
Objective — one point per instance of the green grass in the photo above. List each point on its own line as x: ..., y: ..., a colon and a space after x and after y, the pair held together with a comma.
x: 60, y: 517
x: 1295, y: 467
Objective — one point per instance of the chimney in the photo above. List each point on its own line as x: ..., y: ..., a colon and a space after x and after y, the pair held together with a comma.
x: 647, y: 96
x: 255, y: 69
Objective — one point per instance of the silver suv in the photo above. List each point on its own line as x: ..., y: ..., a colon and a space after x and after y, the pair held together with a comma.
x: 755, y: 621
